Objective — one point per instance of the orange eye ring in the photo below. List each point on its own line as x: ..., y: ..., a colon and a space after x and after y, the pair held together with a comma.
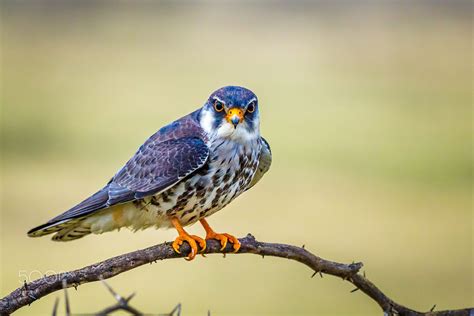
x: 251, y: 107
x: 218, y: 106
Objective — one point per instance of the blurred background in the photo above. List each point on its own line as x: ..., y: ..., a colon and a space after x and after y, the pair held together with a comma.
x: 367, y: 106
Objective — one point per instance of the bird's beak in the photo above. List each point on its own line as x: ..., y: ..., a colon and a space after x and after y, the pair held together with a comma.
x: 235, y: 116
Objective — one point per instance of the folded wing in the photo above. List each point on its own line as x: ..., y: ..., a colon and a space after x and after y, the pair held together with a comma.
x: 156, y: 166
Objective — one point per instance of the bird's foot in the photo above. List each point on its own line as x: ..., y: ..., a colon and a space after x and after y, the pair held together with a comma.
x: 193, y: 242
x: 224, y: 238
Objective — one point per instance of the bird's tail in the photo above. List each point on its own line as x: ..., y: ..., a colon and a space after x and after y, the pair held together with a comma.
x: 71, y: 224
x: 64, y: 231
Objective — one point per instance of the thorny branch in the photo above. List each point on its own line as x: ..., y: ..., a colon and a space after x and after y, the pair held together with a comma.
x: 111, y: 267
x: 123, y: 304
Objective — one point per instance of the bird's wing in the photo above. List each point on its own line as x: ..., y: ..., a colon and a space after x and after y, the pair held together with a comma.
x: 264, y: 162
x: 154, y: 168
x: 171, y: 154
x: 157, y: 166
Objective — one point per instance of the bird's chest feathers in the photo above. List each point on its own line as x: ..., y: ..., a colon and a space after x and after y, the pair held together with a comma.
x: 232, y: 165
x: 228, y: 172
x: 230, y: 169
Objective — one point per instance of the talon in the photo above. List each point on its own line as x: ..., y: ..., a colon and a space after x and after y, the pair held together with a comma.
x: 234, y: 241
x: 223, y: 238
x: 191, y: 255
x: 192, y: 243
x: 175, y: 246
x: 190, y: 239
x: 201, y: 242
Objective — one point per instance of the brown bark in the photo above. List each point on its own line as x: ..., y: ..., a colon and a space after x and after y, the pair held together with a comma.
x: 111, y: 267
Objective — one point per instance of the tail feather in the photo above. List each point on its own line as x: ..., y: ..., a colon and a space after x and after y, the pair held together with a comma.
x: 75, y: 232
x: 65, y: 231
x: 64, y: 225
x: 50, y: 228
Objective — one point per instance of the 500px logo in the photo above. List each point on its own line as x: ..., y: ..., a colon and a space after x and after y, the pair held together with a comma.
x: 29, y: 276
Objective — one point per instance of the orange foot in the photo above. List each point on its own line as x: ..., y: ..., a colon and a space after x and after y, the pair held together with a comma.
x: 191, y: 239
x: 223, y: 238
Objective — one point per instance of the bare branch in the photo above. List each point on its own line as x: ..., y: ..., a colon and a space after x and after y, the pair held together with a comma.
x: 29, y: 293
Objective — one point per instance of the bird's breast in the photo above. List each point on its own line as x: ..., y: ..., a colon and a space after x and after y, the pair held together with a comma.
x: 228, y: 172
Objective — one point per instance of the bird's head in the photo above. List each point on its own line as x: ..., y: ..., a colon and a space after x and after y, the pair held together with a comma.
x: 231, y: 112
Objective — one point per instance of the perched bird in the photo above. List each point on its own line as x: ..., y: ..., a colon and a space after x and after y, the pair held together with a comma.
x: 185, y: 172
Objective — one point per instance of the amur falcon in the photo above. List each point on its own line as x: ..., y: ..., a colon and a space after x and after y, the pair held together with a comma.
x: 182, y: 174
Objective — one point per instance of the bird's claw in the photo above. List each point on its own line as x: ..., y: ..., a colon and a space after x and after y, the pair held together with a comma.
x: 193, y: 242
x: 201, y: 242
x: 223, y: 239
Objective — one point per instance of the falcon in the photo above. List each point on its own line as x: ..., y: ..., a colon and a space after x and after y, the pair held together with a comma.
x: 185, y: 172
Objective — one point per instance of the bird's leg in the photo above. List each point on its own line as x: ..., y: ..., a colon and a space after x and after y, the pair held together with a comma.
x: 184, y: 236
x: 223, y: 238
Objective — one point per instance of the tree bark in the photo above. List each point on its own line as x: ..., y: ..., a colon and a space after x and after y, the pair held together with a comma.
x: 33, y: 291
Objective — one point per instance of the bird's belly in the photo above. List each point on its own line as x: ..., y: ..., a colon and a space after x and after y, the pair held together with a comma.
x: 196, y: 197
x: 188, y: 201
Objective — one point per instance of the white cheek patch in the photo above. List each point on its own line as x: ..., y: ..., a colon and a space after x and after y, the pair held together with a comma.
x: 207, y: 121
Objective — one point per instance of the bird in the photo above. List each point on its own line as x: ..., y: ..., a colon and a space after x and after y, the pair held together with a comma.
x: 184, y: 173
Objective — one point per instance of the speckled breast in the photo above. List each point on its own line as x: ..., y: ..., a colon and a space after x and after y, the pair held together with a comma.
x: 228, y: 172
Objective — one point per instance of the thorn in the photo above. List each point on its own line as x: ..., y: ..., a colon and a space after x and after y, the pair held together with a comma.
x: 432, y: 308
x: 176, y: 309
x: 321, y: 274
x: 55, y: 307
x: 354, y: 290
x: 263, y: 256
x: 302, y: 246
x: 224, y: 255
x: 27, y: 290
x: 250, y: 236
x: 315, y: 272
x: 127, y: 299
x: 75, y: 285
x: 66, y: 298
x: 117, y: 297
x: 363, y: 273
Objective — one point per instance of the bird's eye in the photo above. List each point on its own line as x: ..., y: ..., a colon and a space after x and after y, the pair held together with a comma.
x: 251, y: 107
x: 218, y: 106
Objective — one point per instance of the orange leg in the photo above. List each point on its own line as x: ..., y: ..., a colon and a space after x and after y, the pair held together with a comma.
x: 191, y: 239
x: 223, y: 238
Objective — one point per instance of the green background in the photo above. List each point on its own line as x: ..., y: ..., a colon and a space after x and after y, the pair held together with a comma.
x: 367, y: 107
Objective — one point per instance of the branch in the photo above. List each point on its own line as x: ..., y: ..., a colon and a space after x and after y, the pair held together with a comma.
x: 111, y: 267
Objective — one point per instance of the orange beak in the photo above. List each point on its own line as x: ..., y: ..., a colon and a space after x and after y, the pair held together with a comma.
x: 235, y: 116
